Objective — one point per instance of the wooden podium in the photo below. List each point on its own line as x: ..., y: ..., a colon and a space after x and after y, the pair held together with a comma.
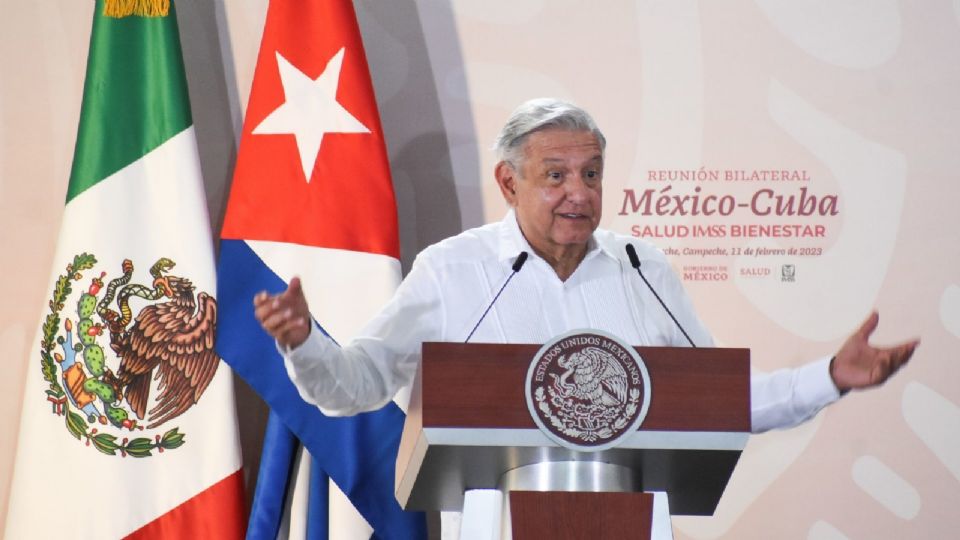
x: 468, y: 427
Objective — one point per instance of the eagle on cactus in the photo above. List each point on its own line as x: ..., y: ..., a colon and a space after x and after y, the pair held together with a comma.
x: 171, y: 340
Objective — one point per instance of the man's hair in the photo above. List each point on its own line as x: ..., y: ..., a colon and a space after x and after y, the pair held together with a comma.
x: 536, y: 115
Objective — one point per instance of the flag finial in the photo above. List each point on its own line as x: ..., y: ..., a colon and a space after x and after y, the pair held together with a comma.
x: 137, y: 8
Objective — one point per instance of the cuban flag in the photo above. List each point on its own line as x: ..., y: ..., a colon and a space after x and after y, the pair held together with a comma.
x: 312, y: 197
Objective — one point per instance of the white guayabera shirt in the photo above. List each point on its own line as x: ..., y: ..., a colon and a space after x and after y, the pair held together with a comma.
x: 451, y: 284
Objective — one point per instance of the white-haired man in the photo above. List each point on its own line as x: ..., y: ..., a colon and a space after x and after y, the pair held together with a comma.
x: 550, y: 172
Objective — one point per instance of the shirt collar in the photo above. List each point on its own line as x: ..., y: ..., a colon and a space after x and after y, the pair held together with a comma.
x: 512, y: 241
x: 607, y: 244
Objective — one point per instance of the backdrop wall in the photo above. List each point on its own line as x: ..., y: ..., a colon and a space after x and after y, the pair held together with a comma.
x: 797, y: 162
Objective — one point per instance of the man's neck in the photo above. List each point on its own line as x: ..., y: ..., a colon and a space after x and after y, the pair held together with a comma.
x: 565, y: 260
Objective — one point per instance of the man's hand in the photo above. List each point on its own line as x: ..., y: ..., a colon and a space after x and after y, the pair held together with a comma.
x: 860, y: 365
x: 285, y: 316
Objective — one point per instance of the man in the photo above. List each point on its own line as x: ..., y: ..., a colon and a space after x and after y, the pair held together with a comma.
x: 550, y: 171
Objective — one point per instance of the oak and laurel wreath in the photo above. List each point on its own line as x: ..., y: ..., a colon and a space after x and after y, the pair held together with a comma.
x: 565, y: 418
x: 76, y: 424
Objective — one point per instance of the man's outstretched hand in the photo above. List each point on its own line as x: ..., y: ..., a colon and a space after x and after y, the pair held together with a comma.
x: 861, y: 365
x: 284, y: 316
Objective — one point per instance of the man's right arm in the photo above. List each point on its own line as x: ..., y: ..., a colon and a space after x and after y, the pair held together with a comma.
x: 340, y: 382
x: 365, y: 374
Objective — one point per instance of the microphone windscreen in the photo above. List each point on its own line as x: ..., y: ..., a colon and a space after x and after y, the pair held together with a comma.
x: 632, y: 253
x: 518, y: 264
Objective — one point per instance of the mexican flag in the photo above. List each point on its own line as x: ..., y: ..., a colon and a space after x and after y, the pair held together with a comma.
x: 128, y: 425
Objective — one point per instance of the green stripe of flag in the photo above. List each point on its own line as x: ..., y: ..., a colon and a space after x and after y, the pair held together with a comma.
x: 134, y: 98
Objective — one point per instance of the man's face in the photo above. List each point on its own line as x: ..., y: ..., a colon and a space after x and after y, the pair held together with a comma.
x: 556, y: 192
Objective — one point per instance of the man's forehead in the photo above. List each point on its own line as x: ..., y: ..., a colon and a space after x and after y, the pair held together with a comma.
x: 562, y: 144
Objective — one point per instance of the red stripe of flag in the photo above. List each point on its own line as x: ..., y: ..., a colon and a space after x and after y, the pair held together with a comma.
x: 215, y: 513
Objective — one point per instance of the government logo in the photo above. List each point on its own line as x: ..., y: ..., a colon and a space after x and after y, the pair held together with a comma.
x: 587, y: 390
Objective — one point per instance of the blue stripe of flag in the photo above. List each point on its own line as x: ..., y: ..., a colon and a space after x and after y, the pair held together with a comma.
x: 273, y: 480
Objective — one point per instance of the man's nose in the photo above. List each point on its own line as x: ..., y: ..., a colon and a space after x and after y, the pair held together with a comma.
x: 577, y: 189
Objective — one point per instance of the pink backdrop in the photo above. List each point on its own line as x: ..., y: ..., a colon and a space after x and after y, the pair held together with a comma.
x: 856, y: 101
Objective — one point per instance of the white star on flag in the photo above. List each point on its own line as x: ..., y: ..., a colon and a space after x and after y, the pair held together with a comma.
x: 310, y: 111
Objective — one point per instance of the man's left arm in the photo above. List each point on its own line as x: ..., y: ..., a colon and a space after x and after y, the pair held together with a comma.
x: 787, y: 397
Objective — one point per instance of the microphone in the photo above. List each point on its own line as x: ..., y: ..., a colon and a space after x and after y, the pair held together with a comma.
x: 517, y: 265
x: 635, y: 262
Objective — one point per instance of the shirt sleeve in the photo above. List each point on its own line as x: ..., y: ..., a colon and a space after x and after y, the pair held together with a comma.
x: 365, y: 374
x: 790, y: 396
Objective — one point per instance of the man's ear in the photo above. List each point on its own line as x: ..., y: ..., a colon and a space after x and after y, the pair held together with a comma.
x: 507, y: 180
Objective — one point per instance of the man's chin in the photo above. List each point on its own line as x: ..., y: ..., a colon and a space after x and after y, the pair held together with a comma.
x: 575, y: 238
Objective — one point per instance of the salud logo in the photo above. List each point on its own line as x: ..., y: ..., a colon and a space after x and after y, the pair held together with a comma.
x: 587, y: 390
x: 114, y: 372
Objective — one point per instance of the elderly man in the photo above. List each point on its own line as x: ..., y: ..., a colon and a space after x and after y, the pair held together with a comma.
x: 550, y: 172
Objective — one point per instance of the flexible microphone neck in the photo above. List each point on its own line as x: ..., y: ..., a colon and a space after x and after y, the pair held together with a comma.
x: 517, y: 265
x: 635, y: 262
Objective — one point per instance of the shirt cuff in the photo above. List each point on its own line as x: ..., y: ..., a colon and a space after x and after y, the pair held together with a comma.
x: 303, y: 360
x: 816, y: 385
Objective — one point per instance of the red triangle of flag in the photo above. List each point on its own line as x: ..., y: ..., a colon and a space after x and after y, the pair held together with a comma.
x: 347, y: 202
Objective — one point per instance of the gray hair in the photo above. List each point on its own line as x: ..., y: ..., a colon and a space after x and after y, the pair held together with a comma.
x: 539, y: 114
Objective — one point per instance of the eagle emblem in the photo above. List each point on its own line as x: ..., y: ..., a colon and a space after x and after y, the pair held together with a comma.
x: 587, y: 391
x: 109, y: 369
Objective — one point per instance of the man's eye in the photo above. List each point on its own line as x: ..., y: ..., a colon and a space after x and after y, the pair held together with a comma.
x: 592, y: 174
x: 554, y: 175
